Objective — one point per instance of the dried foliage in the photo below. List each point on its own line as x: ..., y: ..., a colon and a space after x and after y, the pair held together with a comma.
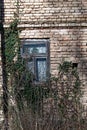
x: 54, y: 105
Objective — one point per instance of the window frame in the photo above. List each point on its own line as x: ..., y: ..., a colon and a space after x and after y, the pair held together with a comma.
x: 32, y: 42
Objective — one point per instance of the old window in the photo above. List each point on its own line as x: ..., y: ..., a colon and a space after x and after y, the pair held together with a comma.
x: 35, y: 52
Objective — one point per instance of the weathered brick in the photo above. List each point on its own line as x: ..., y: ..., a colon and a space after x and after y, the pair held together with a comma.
x: 63, y: 22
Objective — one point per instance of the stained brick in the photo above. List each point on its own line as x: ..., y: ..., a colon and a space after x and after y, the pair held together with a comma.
x: 63, y: 22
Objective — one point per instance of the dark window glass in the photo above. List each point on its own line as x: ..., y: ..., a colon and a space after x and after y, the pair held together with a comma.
x: 35, y: 49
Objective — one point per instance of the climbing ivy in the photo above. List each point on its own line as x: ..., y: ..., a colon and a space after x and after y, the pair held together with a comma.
x: 63, y: 89
x: 11, y: 45
x: 19, y: 76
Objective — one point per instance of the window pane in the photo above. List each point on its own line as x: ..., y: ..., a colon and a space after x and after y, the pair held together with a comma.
x: 35, y: 49
x: 41, y: 69
x: 30, y: 65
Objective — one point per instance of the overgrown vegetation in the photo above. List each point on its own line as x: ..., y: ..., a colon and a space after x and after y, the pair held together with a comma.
x: 54, y: 105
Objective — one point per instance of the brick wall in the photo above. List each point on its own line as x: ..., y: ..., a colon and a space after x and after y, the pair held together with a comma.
x: 64, y: 22
x: 47, y: 11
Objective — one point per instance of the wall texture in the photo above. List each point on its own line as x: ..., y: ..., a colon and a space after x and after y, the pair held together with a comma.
x: 64, y: 22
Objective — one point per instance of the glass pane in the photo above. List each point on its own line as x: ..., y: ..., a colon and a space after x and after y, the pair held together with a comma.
x: 41, y: 69
x: 30, y: 65
x: 35, y: 48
